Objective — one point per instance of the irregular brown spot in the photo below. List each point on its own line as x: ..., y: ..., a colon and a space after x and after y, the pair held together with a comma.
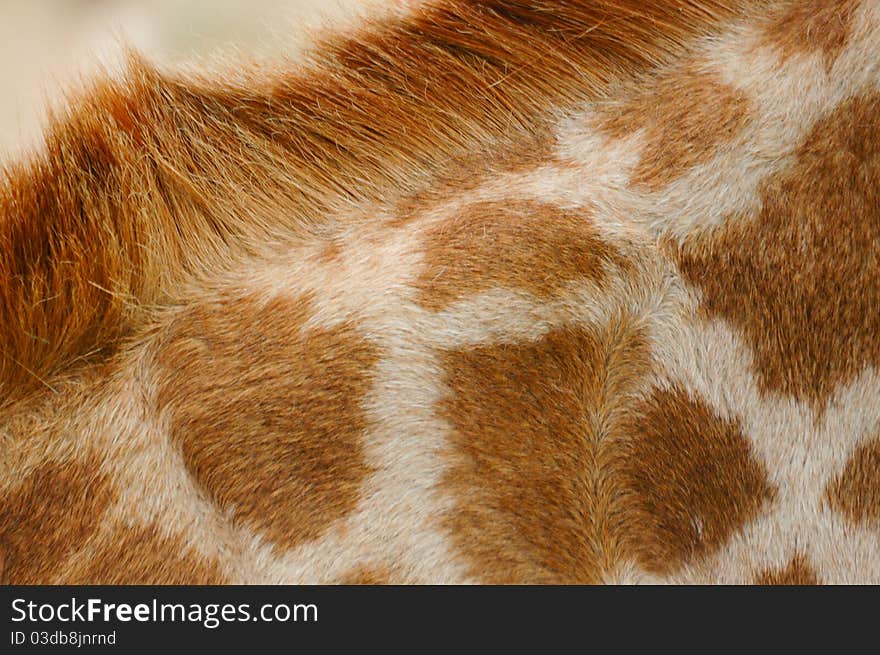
x: 686, y: 116
x: 141, y: 556
x: 330, y: 252
x: 532, y: 426
x: 797, y: 572
x: 801, y: 279
x: 367, y: 575
x: 855, y: 493
x: 469, y: 174
x: 49, y: 518
x: 268, y: 413
x: 807, y: 26
x: 691, y: 478
x: 524, y: 245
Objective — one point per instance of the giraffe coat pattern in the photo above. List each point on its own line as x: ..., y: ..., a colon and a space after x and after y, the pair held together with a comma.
x: 478, y: 292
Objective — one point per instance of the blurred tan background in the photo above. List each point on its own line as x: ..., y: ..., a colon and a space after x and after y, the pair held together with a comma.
x: 47, y: 45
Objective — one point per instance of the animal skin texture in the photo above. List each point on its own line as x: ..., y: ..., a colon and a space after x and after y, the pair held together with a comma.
x: 521, y: 291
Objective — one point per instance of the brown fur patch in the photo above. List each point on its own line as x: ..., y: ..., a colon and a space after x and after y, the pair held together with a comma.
x: 268, y: 414
x: 797, y: 572
x: 801, y: 279
x: 522, y: 245
x: 49, y: 518
x: 691, y: 479
x: 807, y: 26
x: 141, y: 556
x: 367, y: 575
x: 533, y: 427
x: 330, y: 252
x: 149, y: 179
x: 469, y: 174
x: 686, y: 116
x: 855, y: 493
